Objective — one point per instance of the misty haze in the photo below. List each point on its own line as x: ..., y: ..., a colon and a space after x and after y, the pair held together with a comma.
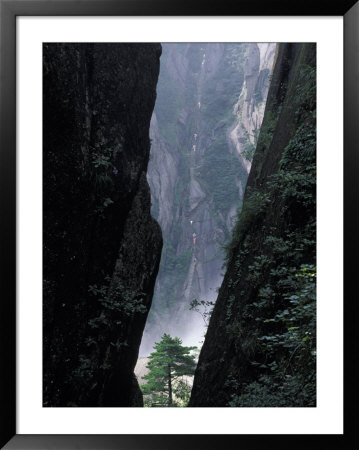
x: 208, y: 112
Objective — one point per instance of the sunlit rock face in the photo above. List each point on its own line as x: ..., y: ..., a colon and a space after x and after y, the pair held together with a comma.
x: 209, y: 109
x: 101, y: 245
x: 251, y: 103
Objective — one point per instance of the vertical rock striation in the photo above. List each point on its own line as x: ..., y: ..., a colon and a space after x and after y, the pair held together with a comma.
x: 101, y: 246
x: 210, y: 98
x: 249, y: 109
x: 259, y: 348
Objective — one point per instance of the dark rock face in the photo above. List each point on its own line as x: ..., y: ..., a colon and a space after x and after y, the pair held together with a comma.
x: 101, y: 245
x: 274, y: 237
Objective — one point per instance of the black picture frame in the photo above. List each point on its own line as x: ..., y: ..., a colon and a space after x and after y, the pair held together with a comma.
x: 9, y: 10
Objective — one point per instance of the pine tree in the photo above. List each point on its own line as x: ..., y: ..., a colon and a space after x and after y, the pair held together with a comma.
x: 167, y: 365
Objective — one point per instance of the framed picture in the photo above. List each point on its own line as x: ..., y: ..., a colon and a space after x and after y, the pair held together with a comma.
x: 33, y: 34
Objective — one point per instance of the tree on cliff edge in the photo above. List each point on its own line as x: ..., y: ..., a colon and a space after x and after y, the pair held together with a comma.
x: 167, y: 365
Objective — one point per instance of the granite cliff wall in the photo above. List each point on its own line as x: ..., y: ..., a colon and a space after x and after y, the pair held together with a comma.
x: 210, y: 105
x: 101, y: 247
x: 260, y: 345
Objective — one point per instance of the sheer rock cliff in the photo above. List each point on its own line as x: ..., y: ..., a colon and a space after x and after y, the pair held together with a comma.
x: 210, y: 104
x: 259, y: 348
x: 101, y: 247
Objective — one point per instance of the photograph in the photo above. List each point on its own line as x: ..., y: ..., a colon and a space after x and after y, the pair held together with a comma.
x: 178, y: 231
x: 179, y: 224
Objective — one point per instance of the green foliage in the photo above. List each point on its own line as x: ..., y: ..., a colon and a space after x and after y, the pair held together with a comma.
x: 273, y: 253
x: 118, y: 299
x: 236, y: 55
x: 289, y: 355
x: 251, y: 212
x: 204, y: 308
x: 219, y: 172
x: 221, y: 93
x: 220, y: 169
x: 168, y: 366
x: 115, y: 305
x: 101, y: 160
x: 267, y: 392
x: 102, y: 173
x: 268, y: 127
x: 249, y: 148
x: 306, y: 91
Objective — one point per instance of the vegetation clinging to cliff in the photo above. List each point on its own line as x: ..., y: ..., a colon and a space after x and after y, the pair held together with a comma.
x: 266, y: 307
x: 283, y: 318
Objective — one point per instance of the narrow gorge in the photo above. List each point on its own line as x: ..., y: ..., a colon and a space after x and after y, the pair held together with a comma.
x: 209, y: 109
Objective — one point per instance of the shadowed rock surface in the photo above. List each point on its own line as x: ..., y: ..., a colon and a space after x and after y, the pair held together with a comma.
x: 272, y: 240
x: 101, y: 246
